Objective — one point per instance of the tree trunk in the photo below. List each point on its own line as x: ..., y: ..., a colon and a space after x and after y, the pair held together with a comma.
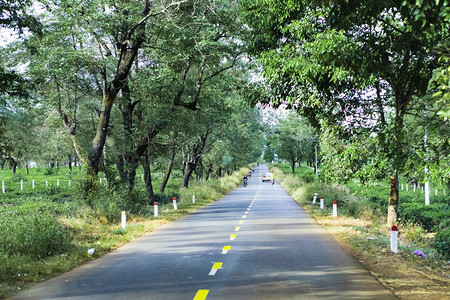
x: 148, y: 177
x: 168, y: 172
x: 293, y: 166
x: 27, y: 171
x: 208, y: 171
x: 14, y: 167
x: 191, y: 162
x: 393, y: 202
x: 189, y: 167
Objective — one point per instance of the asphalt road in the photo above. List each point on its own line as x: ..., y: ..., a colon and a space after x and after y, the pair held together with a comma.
x: 255, y: 243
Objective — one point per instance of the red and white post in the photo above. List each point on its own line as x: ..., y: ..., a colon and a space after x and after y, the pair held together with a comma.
x: 394, y: 238
x: 321, y: 202
x: 174, y: 200
x: 334, y: 209
x: 155, y: 209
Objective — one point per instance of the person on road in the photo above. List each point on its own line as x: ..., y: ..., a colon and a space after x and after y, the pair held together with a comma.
x: 245, y: 180
x: 272, y: 178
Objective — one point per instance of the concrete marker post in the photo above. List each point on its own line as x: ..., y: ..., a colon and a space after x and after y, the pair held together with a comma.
x: 314, y: 198
x: 193, y: 199
x: 407, y: 185
x: 435, y: 192
x: 124, y: 219
x: 57, y: 183
x: 4, y: 188
x: 155, y: 209
x: 394, y: 239
x: 174, y: 200
x: 32, y: 183
x: 46, y: 183
x: 21, y: 185
x: 321, y: 202
x: 334, y: 209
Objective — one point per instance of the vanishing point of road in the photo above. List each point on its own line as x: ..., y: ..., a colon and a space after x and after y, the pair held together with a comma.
x: 255, y: 243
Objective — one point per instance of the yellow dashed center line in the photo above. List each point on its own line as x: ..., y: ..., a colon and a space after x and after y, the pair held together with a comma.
x: 201, y: 295
x: 226, y: 249
x: 215, y: 267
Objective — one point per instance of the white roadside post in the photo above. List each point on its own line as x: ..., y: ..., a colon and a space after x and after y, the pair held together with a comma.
x: 32, y: 183
x: 21, y: 185
x: 124, y: 219
x: 314, y: 198
x: 394, y: 239
x: 427, y: 193
x: 334, y: 209
x: 174, y: 200
x: 4, y: 189
x: 155, y: 209
x: 321, y: 202
x: 407, y: 185
x: 57, y: 182
x: 435, y: 192
x: 402, y: 186
x: 193, y: 199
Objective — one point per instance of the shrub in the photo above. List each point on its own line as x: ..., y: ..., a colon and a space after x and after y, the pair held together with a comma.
x: 442, y: 242
x: 428, y: 217
x: 49, y: 171
x: 35, y: 234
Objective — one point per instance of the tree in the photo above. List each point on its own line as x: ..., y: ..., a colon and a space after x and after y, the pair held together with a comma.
x: 351, y: 66
x: 295, y: 140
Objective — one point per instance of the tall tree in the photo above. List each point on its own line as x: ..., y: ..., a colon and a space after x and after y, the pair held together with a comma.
x: 351, y: 65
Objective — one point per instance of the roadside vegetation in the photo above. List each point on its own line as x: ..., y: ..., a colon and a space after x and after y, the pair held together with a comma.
x: 361, y: 227
x: 48, y: 230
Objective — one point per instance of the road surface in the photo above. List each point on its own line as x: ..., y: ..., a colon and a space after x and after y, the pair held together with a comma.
x: 255, y: 243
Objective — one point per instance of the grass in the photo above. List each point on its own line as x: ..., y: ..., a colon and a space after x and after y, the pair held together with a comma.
x: 36, y: 216
x: 368, y: 205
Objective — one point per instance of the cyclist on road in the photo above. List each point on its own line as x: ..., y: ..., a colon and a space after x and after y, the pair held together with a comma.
x: 272, y: 178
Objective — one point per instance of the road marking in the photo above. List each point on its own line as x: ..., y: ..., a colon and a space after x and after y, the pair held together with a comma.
x: 237, y: 228
x: 241, y: 222
x: 249, y: 208
x: 226, y: 249
x: 215, y: 267
x: 246, y: 212
x: 201, y: 295
x: 244, y: 216
x: 232, y: 237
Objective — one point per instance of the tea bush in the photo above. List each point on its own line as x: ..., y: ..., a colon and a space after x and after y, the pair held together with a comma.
x: 36, y: 234
x: 429, y: 217
x: 442, y: 242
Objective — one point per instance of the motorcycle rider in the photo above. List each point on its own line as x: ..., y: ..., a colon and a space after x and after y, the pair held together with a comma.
x: 245, y: 180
